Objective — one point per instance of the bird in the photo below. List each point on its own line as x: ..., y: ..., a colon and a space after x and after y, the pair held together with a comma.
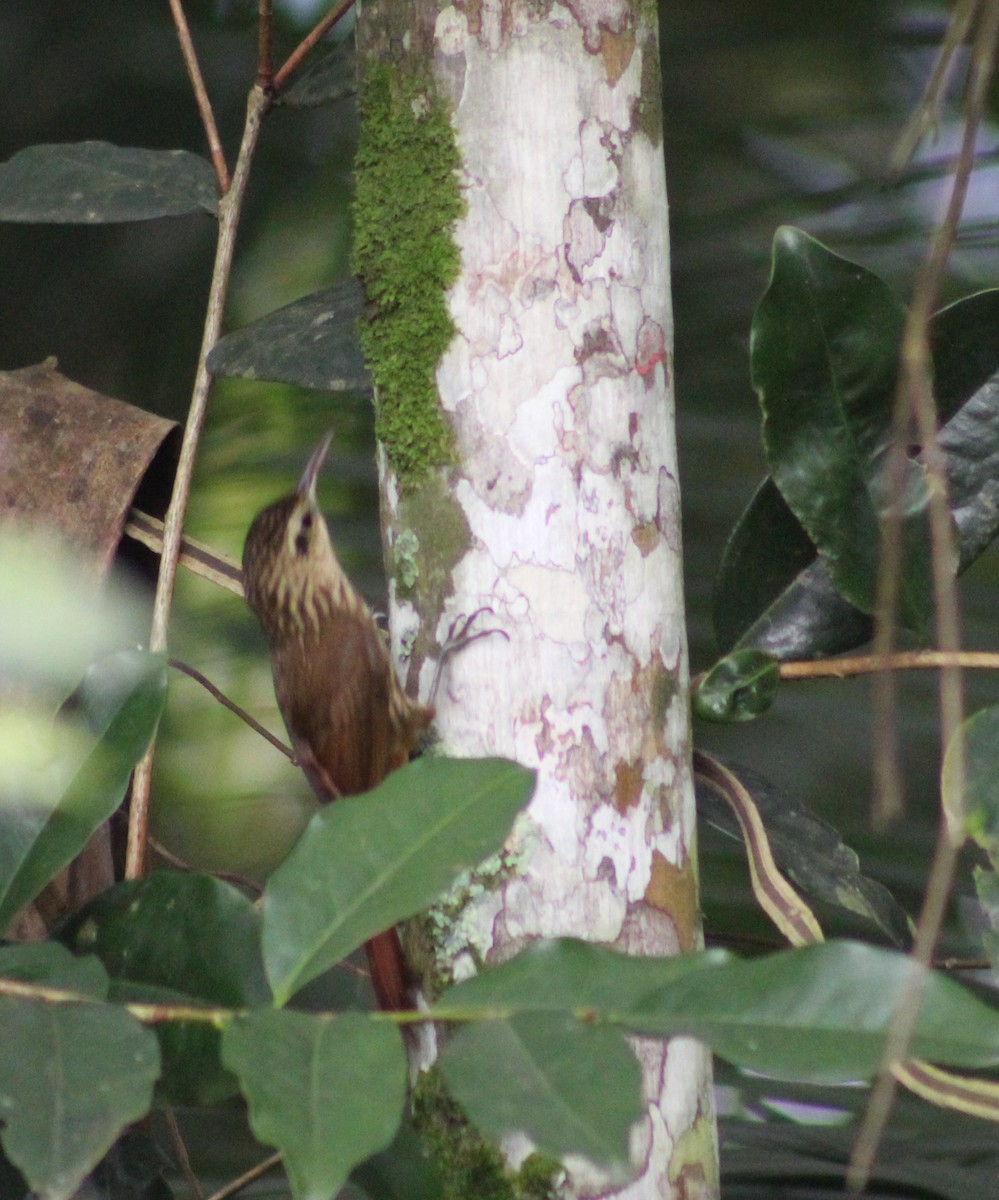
x: 349, y: 718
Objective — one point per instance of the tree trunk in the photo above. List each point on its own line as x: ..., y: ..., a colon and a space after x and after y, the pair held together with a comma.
x: 549, y: 491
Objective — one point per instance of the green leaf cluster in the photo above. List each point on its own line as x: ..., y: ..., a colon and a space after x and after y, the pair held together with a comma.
x: 179, y: 989
x: 799, y: 574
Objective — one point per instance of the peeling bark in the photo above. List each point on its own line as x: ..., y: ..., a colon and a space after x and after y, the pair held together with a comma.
x: 557, y: 388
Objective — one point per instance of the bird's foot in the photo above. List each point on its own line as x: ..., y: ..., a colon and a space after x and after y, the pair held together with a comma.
x: 459, y: 636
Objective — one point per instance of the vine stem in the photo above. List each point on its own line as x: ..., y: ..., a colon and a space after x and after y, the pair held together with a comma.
x: 230, y: 209
x: 916, y: 391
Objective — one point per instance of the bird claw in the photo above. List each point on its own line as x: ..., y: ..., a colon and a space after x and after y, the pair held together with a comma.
x: 458, y: 637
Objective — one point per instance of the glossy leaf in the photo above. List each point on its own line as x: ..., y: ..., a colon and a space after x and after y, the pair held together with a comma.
x: 93, y: 183
x: 810, y: 853
x: 326, y: 1091
x: 774, y: 594
x: 824, y: 356
x: 765, y: 597
x: 178, y: 938
x: 367, y: 862
x: 54, y: 798
x: 966, y: 365
x: 572, y: 1087
x: 819, y: 1013
x: 964, y: 344
x: 312, y: 342
x: 740, y: 687
x: 81, y: 1074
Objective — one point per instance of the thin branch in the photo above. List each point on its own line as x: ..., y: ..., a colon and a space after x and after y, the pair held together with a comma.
x: 265, y: 50
x: 201, y: 96
x: 180, y: 1150
x: 927, y: 114
x: 230, y: 208
x: 908, y: 660
x: 916, y: 379
x: 294, y: 60
x: 232, y: 706
x: 250, y: 1176
x: 196, y: 557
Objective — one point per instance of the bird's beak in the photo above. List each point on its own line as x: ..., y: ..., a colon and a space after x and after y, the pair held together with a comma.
x: 307, y: 484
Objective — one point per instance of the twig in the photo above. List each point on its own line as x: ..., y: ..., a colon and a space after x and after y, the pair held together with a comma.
x: 230, y: 208
x: 196, y: 557
x: 917, y: 382
x: 265, y: 54
x: 254, y: 1173
x: 927, y: 114
x: 909, y: 660
x: 180, y: 1149
x: 232, y: 706
x: 201, y: 96
x: 294, y: 60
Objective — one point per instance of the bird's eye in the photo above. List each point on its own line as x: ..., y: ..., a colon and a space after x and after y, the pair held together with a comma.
x: 302, y: 537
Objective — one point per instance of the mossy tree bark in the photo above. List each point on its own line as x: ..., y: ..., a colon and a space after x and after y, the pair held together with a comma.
x: 512, y: 234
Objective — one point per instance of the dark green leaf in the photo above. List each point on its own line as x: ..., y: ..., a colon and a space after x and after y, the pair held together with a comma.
x: 326, y: 1091
x: 313, y: 343
x: 194, y: 934
x: 72, y: 1076
x: 92, y: 183
x: 810, y: 852
x: 818, y: 1013
x: 764, y: 553
x: 966, y: 368
x: 178, y: 938
x: 964, y: 344
x: 824, y: 354
x: 47, y: 964
x: 809, y: 619
x: 567, y: 975
x: 740, y: 687
x: 773, y: 594
x: 573, y: 1088
x: 367, y: 862
x: 331, y: 77
x: 49, y: 820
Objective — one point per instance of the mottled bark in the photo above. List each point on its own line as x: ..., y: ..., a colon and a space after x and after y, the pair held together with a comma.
x: 558, y: 506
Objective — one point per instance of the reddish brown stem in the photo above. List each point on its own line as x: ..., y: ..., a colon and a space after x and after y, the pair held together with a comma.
x: 315, y: 35
x: 201, y: 96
